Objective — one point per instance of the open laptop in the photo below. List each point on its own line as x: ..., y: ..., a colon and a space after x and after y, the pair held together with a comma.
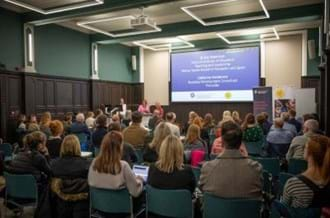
x: 141, y: 170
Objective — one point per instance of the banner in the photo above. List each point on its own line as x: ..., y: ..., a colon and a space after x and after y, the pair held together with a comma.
x: 263, y: 101
x: 284, y: 100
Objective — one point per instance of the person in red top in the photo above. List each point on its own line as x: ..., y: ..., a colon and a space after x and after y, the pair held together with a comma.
x: 160, y: 109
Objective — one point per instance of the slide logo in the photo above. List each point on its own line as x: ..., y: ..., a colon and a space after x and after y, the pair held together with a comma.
x: 228, y: 95
x: 192, y: 95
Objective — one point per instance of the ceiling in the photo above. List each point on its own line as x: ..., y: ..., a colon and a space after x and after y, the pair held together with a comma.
x: 171, y: 12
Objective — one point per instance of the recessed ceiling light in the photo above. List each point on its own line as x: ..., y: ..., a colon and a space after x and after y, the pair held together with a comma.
x: 257, y: 31
x: 58, y: 9
x: 164, y: 44
x: 187, y: 10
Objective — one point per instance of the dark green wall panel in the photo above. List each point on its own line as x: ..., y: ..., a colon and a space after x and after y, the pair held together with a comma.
x: 11, y: 40
x: 61, y: 51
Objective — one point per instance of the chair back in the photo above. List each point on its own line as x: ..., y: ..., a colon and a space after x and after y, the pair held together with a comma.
x: 139, y: 155
x: 271, y: 165
x: 110, y: 201
x: 297, y: 166
x: 83, y: 141
x: 21, y: 186
x: 278, y: 150
x: 230, y: 208
x: 254, y: 148
x: 169, y: 203
x: 283, y: 178
x: 6, y: 149
x: 197, y: 173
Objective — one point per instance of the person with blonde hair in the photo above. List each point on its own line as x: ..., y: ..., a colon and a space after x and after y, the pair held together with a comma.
x: 151, y: 152
x: 312, y: 187
x: 108, y: 171
x: 236, y: 117
x: 55, y: 140
x: 69, y: 182
x: 193, y: 142
x: 169, y: 172
x: 191, y: 116
x: 45, y: 120
x: 90, y: 120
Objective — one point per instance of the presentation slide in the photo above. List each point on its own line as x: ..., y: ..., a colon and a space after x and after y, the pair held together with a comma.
x: 215, y: 75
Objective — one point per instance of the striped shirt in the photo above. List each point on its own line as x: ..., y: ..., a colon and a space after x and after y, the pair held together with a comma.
x: 297, y: 194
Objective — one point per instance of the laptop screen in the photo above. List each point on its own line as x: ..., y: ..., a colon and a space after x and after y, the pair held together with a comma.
x: 142, y: 171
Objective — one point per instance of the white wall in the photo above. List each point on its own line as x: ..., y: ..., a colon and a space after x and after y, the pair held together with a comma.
x: 156, y: 76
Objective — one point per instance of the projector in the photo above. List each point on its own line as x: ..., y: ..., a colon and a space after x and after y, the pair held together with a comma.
x: 143, y: 23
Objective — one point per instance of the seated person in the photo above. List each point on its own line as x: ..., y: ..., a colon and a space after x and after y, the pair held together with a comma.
x: 135, y: 134
x: 55, y: 140
x: 154, y: 120
x: 151, y: 151
x: 108, y: 171
x: 217, y: 176
x: 100, y: 131
x: 170, y: 120
x: 32, y: 159
x: 193, y: 142
x: 159, y: 107
x: 45, y: 119
x: 286, y: 125
x: 79, y: 126
x: 312, y: 187
x: 292, y: 120
x: 297, y: 147
x: 90, y: 120
x: 251, y: 131
x: 169, y: 172
x: 69, y: 182
x: 128, y: 154
x: 67, y: 122
x: 144, y: 107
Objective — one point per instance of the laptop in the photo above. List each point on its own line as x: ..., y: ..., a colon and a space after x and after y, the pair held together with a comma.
x: 141, y: 170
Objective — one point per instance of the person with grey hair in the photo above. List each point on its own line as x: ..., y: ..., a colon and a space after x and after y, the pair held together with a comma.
x: 286, y: 125
x: 170, y: 120
x: 79, y: 126
x: 297, y: 147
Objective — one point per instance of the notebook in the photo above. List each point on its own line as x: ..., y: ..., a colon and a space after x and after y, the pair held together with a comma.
x: 141, y: 170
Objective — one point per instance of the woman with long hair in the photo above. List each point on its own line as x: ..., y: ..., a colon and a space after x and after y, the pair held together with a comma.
x: 55, y: 140
x: 45, y: 120
x: 151, y: 152
x: 312, y: 187
x: 251, y: 131
x: 193, y: 143
x: 108, y: 171
x: 169, y: 172
x: 236, y: 117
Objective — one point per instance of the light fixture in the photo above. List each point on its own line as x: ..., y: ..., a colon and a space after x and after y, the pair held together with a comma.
x: 30, y: 48
x: 164, y: 44
x: 57, y: 9
x: 86, y: 25
x: 263, y: 37
x: 187, y: 10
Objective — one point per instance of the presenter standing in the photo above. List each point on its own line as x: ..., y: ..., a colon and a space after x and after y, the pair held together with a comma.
x: 144, y: 107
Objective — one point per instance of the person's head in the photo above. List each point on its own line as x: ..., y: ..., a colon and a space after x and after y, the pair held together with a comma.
x: 35, y: 141
x: 316, y: 117
x: 114, y: 127
x: 208, y: 119
x: 292, y: 113
x: 198, y: 121
x: 193, y: 133
x: 122, y: 101
x: 285, y: 116
x: 70, y: 146
x: 156, y: 113
x: 311, y: 126
x: 98, y: 112
x: 32, y: 127
x: 317, y: 153
x: 162, y: 130
x: 170, y: 155
x: 158, y: 105
x: 248, y: 120
x: 235, y: 116
x: 101, y: 121
x: 307, y: 117
x: 68, y: 117
x: 33, y: 118
x: 231, y: 135
x: 115, y: 118
x: 170, y: 117
x: 80, y: 118
x: 21, y: 118
x: 90, y: 114
x: 226, y: 115
x: 108, y: 160
x: 217, y: 131
x: 136, y: 117
x: 144, y: 102
x: 56, y: 128
x: 192, y: 115
x: 265, y: 115
x: 260, y: 119
x: 45, y: 119
x: 278, y: 123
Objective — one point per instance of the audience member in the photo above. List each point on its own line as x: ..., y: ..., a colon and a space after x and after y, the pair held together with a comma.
x: 312, y: 187
x: 79, y: 127
x: 98, y: 112
x: 251, y: 131
x: 32, y: 119
x: 218, y: 176
x: 45, y: 120
x: 116, y: 118
x: 21, y: 128
x: 100, y: 130
x: 54, y: 141
x: 154, y: 120
x: 293, y: 121
x: 267, y: 124
x: 33, y: 127
x: 69, y: 182
x: 135, y: 134
x: 169, y: 172
x: 204, y: 135
x: 285, y: 117
x: 261, y: 119
x: 193, y: 142
x: 191, y: 116
x: 144, y: 107
x: 297, y: 147
x: 151, y: 151
x: 279, y: 135
x: 67, y: 122
x: 226, y: 116
x: 129, y: 154
x: 236, y: 117
x: 159, y: 107
x: 108, y: 171
x: 90, y: 120
x: 170, y: 120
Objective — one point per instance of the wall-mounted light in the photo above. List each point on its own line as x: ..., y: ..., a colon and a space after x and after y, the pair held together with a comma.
x: 257, y: 31
x: 187, y: 10
x: 83, y: 4
x: 95, y: 61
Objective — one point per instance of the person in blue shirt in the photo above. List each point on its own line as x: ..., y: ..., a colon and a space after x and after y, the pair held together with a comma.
x: 293, y: 121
